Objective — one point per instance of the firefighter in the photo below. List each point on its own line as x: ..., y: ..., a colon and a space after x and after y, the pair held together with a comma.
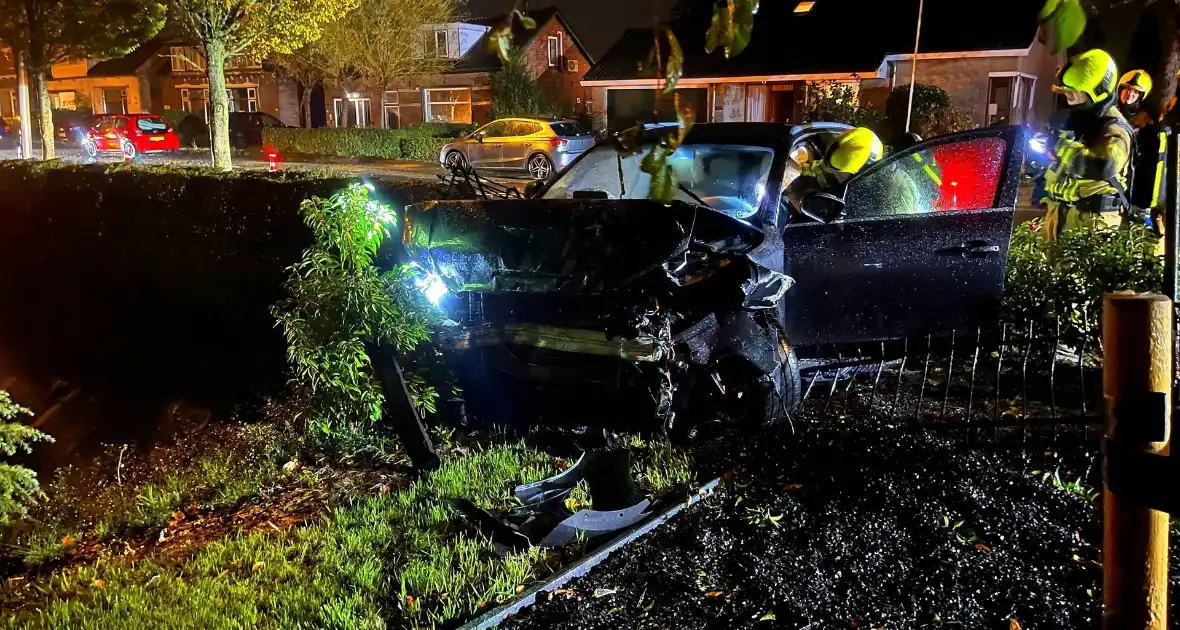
x: 855, y: 149
x: 1134, y: 87
x: 1087, y: 183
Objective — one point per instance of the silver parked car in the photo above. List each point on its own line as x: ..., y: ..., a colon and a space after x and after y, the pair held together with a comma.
x: 534, y: 146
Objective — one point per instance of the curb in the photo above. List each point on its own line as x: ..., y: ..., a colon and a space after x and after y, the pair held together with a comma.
x: 495, y: 617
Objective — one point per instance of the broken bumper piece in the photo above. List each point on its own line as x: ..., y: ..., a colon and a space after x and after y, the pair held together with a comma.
x: 576, y: 340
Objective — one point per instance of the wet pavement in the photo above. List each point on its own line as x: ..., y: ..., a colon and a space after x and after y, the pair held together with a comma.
x: 253, y: 159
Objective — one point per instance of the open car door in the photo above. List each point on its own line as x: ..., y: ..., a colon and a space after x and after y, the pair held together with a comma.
x: 921, y: 245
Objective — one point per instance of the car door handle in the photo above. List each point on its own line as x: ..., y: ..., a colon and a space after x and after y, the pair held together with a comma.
x: 970, y: 249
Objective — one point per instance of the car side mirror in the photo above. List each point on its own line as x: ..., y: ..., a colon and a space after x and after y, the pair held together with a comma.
x: 823, y: 207
x: 477, y: 136
x: 532, y: 187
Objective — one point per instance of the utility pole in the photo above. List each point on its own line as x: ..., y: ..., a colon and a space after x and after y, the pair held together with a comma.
x: 914, y: 68
x: 26, y: 116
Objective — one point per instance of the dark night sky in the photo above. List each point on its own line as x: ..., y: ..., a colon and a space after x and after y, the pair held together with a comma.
x: 597, y: 23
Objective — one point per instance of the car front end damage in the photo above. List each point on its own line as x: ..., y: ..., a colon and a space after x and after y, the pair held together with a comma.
x: 615, y: 315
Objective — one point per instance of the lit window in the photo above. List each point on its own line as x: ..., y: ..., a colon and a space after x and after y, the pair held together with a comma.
x: 554, y: 51
x: 448, y: 105
x: 804, y: 7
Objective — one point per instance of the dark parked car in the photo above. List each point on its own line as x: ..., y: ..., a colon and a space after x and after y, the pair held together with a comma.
x: 591, y: 305
x: 245, y: 128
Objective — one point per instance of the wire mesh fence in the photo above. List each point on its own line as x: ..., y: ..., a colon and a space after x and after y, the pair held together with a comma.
x: 1014, y: 379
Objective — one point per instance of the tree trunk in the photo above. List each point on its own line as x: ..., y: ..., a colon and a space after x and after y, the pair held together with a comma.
x: 348, y: 120
x: 44, y: 113
x: 219, y: 99
x: 305, y: 105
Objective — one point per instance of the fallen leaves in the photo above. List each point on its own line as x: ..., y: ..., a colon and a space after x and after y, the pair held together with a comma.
x: 68, y: 541
x: 714, y: 594
x: 1013, y: 624
x: 100, y: 583
x: 604, y: 592
x: 258, y: 566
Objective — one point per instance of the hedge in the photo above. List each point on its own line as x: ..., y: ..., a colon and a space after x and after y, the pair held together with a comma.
x: 157, y: 279
x: 420, y: 143
x: 423, y: 149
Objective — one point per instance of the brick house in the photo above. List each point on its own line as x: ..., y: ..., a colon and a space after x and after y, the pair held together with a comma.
x: 993, y: 63
x: 159, y: 76
x: 462, y: 94
x: 73, y: 84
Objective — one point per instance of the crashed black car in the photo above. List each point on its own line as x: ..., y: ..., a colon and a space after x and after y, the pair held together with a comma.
x: 590, y: 305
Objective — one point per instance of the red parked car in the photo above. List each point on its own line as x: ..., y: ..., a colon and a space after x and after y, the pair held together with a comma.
x: 130, y: 135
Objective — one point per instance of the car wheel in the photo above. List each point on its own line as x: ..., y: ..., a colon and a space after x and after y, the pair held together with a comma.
x: 128, y: 150
x: 456, y: 160
x: 91, y: 148
x: 540, y: 167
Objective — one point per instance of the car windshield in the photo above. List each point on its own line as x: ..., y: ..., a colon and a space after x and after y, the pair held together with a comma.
x: 151, y: 125
x: 566, y: 129
x: 729, y: 178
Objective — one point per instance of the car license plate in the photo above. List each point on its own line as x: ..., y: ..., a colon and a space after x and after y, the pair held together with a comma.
x: 157, y: 138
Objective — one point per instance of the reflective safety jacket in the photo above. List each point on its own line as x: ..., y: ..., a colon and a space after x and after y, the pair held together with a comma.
x: 1091, y: 168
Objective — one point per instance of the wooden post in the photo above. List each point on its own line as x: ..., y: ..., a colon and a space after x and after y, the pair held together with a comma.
x: 1137, y: 338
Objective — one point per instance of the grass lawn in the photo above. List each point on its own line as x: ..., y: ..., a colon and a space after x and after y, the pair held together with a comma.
x: 389, y: 556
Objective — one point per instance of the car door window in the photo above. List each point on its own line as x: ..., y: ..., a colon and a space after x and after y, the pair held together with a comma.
x: 493, y: 130
x: 515, y: 129
x: 949, y: 176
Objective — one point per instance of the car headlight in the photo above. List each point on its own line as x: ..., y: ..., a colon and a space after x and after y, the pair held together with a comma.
x: 432, y: 287
x: 1037, y: 143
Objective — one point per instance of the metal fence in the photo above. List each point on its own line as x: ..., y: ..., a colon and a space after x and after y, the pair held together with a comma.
x: 1021, y: 376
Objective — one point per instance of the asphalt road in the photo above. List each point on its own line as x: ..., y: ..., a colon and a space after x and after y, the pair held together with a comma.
x: 254, y: 160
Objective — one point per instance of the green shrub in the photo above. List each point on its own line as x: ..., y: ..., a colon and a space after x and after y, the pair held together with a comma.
x: 409, y: 143
x: 1064, y: 281
x: 162, y: 276
x: 361, y: 142
x: 515, y: 92
x: 18, y: 485
x: 423, y: 149
x: 927, y: 98
x: 338, y: 304
x: 943, y: 120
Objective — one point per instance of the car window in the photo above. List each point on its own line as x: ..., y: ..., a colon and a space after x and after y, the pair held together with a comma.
x: 270, y: 121
x: 729, y: 178
x: 151, y: 125
x: 517, y: 128
x: 119, y: 122
x: 493, y: 129
x: 956, y: 175
x: 566, y: 129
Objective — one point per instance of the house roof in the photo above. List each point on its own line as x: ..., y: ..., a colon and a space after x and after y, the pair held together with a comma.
x: 128, y: 64
x: 835, y: 37
x: 479, y: 58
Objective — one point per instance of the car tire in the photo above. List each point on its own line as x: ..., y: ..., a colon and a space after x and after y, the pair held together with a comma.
x: 539, y: 166
x: 455, y: 159
x: 128, y: 149
x: 90, y: 148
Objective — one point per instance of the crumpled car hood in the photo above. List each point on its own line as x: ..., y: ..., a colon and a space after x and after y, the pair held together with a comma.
x: 575, y: 246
